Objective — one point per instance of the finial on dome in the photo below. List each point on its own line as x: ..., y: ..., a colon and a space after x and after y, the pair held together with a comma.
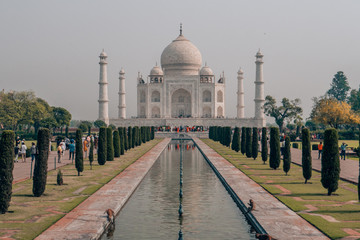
x: 180, y: 29
x: 240, y: 71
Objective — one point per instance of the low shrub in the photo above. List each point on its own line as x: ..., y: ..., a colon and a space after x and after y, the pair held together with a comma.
x: 314, y: 147
x: 295, y: 145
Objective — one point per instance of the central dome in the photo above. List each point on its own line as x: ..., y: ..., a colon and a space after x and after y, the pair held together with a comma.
x: 181, y: 57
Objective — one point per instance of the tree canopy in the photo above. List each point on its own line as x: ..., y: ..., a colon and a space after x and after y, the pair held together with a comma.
x: 354, y: 100
x: 288, y: 111
x: 329, y: 111
x: 339, y: 87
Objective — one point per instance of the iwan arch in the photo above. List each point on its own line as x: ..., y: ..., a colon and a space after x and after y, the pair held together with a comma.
x: 182, y: 92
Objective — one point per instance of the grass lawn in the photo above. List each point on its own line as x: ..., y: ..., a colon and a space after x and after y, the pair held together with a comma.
x: 333, y: 215
x: 29, y: 216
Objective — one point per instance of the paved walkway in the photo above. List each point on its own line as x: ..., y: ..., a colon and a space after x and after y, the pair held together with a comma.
x: 89, y: 220
x: 21, y: 170
x: 276, y: 218
x: 349, y: 168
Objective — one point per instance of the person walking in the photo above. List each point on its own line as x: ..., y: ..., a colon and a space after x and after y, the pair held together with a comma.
x: 33, y: 151
x: 85, y: 147
x: 23, y: 152
x: 16, y: 152
x: 59, y: 152
x: 71, y: 149
x: 343, y: 150
x: 320, y: 148
x: 63, y: 147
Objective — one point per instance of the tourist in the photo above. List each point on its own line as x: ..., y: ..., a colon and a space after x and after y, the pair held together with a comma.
x: 59, y: 151
x: 71, y: 149
x: 63, y: 147
x: 16, y: 151
x: 86, y: 145
x: 33, y: 151
x: 343, y: 150
x: 320, y: 148
x: 23, y: 151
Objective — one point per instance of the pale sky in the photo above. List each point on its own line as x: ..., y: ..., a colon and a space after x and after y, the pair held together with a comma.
x: 52, y: 47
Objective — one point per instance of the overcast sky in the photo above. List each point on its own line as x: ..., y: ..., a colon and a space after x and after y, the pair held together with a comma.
x: 52, y: 47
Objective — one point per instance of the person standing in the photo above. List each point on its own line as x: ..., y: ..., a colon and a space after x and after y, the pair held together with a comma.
x: 59, y: 151
x: 320, y: 148
x: 71, y: 149
x: 85, y: 147
x: 23, y: 152
x: 343, y: 150
x: 16, y: 152
x: 63, y: 147
x: 33, y: 151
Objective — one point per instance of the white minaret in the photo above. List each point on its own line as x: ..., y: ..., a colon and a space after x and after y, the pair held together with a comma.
x: 103, y: 90
x: 240, y: 103
x: 122, y: 103
x: 259, y: 87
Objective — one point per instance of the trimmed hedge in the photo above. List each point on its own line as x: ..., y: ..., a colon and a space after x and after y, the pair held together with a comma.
x: 274, y: 148
x: 287, y: 156
x: 264, y: 147
x: 243, y: 140
x: 314, y: 147
x: 306, y: 154
x: 116, y: 143
x: 295, y: 145
x: 255, y: 143
x: 79, y: 157
x: 109, y: 144
x: 6, y: 169
x: 235, y: 145
x: 102, y: 147
x: 41, y: 162
x: 130, y: 138
x: 248, y: 143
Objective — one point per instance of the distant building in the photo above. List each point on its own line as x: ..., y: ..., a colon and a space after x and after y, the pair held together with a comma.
x: 182, y: 92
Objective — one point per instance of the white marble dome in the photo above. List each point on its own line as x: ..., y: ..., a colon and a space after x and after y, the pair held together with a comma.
x: 206, y: 71
x: 156, y: 71
x: 181, y: 56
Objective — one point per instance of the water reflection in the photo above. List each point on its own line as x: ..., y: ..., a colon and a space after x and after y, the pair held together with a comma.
x: 208, y: 210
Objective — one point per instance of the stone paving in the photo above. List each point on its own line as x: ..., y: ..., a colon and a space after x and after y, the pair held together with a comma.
x: 349, y: 168
x: 276, y: 218
x: 89, y: 220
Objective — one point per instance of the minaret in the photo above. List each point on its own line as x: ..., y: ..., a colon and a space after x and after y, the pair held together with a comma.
x: 240, y: 103
x: 259, y: 87
x: 103, y: 90
x: 122, y: 103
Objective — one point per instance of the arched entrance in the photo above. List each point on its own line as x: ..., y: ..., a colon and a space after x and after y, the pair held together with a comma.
x: 181, y: 104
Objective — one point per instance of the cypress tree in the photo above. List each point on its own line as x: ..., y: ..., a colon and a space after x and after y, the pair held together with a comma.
x: 79, y: 157
x: 264, y: 147
x: 110, y: 145
x: 210, y: 132
x: 235, y: 145
x: 330, y: 163
x: 152, y: 133
x: 67, y: 131
x: 134, y: 137
x: 248, y: 143
x: 358, y: 152
x: 306, y: 154
x: 215, y: 133
x: 122, y: 141
x: 139, y: 136
x: 6, y: 169
x: 227, y: 136
x: 41, y: 162
x: 219, y: 134
x: 243, y: 140
x: 148, y: 134
x: 142, y: 133
x: 116, y: 142
x: 91, y: 153
x: 287, y: 155
x: 126, y: 141
x: 102, y: 146
x: 130, y: 138
x: 274, y: 148
x: 255, y: 143
x: 89, y: 130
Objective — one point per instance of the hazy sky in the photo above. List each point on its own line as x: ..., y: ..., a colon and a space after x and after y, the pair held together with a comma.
x: 52, y: 47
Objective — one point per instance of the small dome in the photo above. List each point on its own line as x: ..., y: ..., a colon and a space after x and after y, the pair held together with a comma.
x: 122, y: 71
x: 181, y: 56
x: 240, y: 71
x: 206, y: 71
x: 103, y: 54
x: 156, y: 71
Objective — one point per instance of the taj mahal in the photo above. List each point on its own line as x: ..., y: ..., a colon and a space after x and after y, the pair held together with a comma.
x: 182, y: 92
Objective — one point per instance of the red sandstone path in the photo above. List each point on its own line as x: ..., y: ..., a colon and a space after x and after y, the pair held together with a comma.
x: 349, y: 168
x: 22, y: 170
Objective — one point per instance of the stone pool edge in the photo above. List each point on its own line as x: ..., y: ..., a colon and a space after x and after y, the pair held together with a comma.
x: 89, y: 220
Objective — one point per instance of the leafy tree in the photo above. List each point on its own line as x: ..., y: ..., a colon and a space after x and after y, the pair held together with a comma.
x: 330, y: 163
x: 79, y: 155
x: 235, y: 145
x: 274, y: 148
x: 130, y: 138
x: 62, y: 116
x: 287, y: 156
x: 339, y: 87
x: 306, y: 154
x: 248, y: 143
x: 91, y: 153
x: 332, y: 112
x: 264, y: 147
x: 243, y: 140
x: 102, y: 146
x: 354, y: 100
x: 41, y: 162
x: 255, y: 143
x: 99, y: 123
x: 6, y: 169
x: 288, y: 111
x: 110, y: 145
x: 116, y: 138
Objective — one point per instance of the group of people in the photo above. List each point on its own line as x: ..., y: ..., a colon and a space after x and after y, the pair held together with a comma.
x: 62, y: 147
x: 20, y: 150
x: 342, y: 150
